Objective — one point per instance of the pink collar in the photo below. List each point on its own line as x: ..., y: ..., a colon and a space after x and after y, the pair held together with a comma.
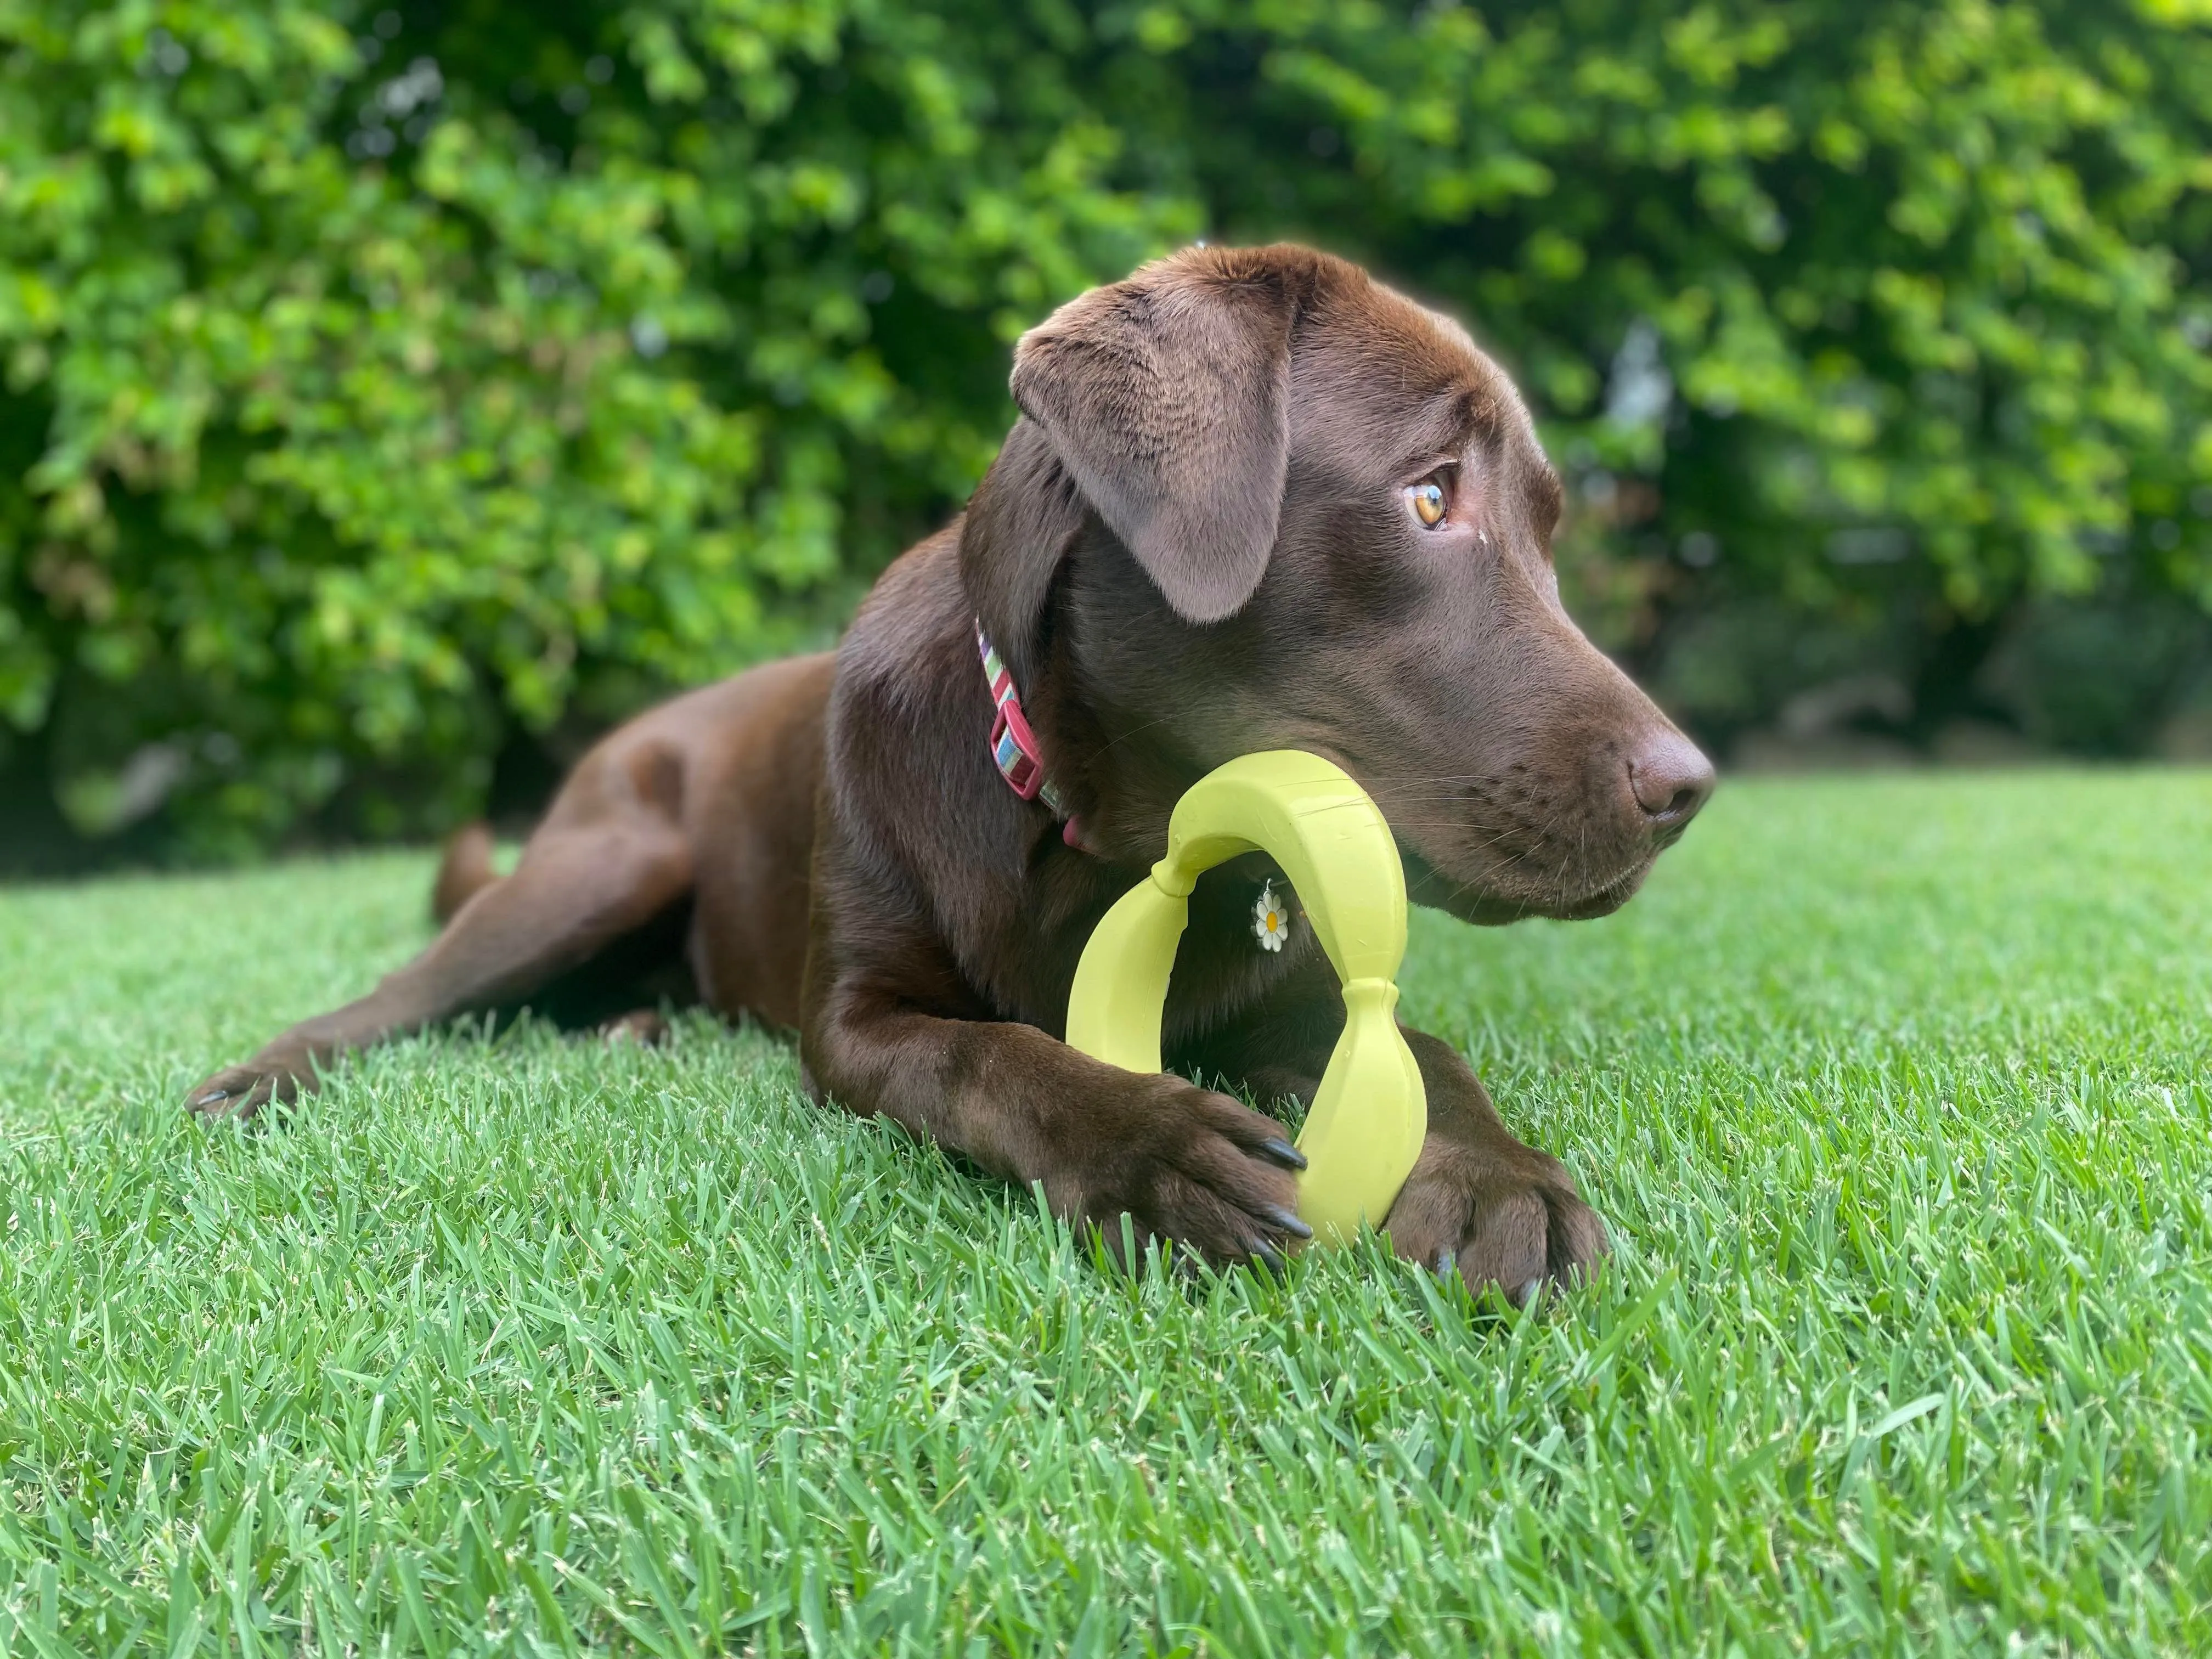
x: 1014, y: 748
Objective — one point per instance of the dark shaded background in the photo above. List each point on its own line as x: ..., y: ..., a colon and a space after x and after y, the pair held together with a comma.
x: 397, y: 396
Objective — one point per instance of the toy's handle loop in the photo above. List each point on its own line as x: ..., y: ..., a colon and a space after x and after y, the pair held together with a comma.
x: 1370, y: 1114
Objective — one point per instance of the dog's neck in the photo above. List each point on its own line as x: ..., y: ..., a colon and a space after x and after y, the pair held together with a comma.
x: 1117, y: 770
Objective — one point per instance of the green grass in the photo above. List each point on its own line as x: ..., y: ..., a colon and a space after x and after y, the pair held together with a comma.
x: 1895, y: 1094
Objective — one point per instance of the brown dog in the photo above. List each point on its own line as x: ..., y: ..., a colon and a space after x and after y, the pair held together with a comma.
x: 1255, y: 500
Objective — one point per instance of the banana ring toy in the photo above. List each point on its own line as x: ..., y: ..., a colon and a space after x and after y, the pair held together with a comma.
x: 1370, y: 1113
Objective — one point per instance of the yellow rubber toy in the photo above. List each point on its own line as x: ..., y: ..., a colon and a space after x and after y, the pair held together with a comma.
x: 1370, y: 1115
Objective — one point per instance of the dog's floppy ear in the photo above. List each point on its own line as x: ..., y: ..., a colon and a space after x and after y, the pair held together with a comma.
x: 1166, y: 399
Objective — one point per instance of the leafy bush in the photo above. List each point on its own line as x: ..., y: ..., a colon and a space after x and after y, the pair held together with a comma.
x: 387, y: 390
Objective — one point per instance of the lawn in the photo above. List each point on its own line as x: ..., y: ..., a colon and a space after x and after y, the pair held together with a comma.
x: 1894, y: 1092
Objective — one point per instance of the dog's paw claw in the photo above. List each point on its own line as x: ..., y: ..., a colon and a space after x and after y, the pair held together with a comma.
x: 241, y: 1091
x: 1195, y: 1168
x: 645, y: 1027
x: 1508, y: 1219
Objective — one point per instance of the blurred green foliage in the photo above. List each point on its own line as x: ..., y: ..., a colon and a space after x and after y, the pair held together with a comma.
x: 385, y: 388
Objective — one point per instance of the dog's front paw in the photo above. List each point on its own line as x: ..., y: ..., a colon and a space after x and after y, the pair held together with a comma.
x: 1505, y: 1215
x: 1190, y: 1166
x: 240, y: 1092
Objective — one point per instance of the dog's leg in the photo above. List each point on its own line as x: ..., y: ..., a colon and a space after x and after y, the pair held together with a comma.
x: 1480, y: 1202
x: 576, y: 889
x: 465, y: 871
x: 1181, y: 1162
x: 1501, y: 1211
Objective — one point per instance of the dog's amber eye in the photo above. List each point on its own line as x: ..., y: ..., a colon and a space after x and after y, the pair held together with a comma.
x: 1428, y: 499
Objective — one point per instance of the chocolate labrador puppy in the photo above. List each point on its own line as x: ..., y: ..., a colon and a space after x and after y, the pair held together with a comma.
x: 1254, y: 501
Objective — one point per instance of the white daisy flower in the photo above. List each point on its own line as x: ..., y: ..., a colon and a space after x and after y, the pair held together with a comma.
x: 1271, y: 919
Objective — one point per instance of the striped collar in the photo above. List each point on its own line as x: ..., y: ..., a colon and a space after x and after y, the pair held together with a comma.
x: 1014, y: 748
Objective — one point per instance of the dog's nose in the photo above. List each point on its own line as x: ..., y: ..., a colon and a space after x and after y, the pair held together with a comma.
x: 1671, y: 779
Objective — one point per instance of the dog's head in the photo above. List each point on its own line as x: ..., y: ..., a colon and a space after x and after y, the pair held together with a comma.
x: 1259, y: 501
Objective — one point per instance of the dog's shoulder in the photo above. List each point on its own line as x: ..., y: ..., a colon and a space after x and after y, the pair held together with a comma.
x: 904, y: 655
x: 909, y: 770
